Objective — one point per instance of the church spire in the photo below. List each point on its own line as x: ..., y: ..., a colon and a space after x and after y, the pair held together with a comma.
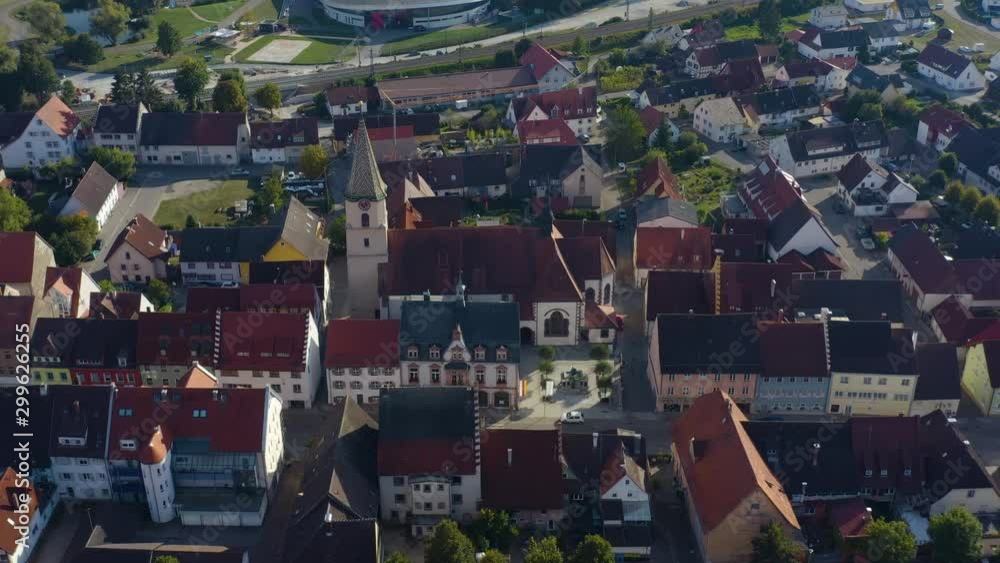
x: 365, y: 181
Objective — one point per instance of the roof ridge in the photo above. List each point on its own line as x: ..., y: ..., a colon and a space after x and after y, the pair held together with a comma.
x: 365, y: 181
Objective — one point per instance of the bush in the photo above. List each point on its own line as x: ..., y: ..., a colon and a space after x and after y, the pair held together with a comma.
x: 547, y: 353
x: 600, y: 352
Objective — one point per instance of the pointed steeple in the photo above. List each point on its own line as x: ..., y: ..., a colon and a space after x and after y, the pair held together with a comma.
x: 365, y: 181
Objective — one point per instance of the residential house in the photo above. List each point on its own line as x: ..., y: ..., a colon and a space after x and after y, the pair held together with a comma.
x: 652, y: 118
x: 819, y: 43
x: 18, y: 314
x: 78, y: 442
x: 194, y: 139
x: 292, y: 273
x: 981, y: 376
x: 657, y: 181
x: 139, y: 253
x: 466, y: 344
x: 908, y: 14
x: 350, y: 100
x: 873, y: 368
x: 729, y: 490
x: 494, y: 86
x: 576, y: 106
x: 25, y: 505
x: 953, y: 321
x: 606, y: 478
x: 545, y: 132
x: 709, y: 60
x: 949, y: 70
x: 585, y: 228
x: 124, y: 305
x: 523, y: 476
x: 282, y: 141
x: 824, y: 75
x: 167, y: 344
x: 665, y: 212
x: 261, y: 298
x: 867, y: 6
x: 828, y: 17
x: 927, y: 276
x: 117, y: 127
x: 939, y: 380
x: 330, y: 520
x: 426, y: 126
x: 703, y: 33
x: 216, y: 256
x: 795, y: 368
x: 868, y: 189
x: 686, y: 361
x: 978, y: 152
x: 819, y: 264
x: 69, y: 290
x: 362, y: 358
x: 34, y: 139
x: 95, y: 195
x: 883, y: 37
x: 281, y: 351
x: 209, y: 456
x: 889, y: 86
x: 548, y: 71
x: 826, y: 150
x: 938, y: 126
x: 763, y: 288
x: 721, y: 120
x: 464, y: 175
x: 421, y: 478
x: 857, y: 300
x: 91, y: 351
x: 668, y: 248
x: 571, y: 173
x: 681, y: 97
x: 781, y: 107
x: 27, y: 258
x: 669, y: 36
x: 677, y: 292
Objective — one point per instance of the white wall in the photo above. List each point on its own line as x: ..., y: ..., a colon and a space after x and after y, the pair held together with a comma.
x: 571, y: 310
x: 274, y: 440
x: 36, y: 146
x: 970, y: 79
x: 159, y: 483
x: 87, y: 477
x: 809, y: 237
x: 196, y: 273
x: 339, y: 385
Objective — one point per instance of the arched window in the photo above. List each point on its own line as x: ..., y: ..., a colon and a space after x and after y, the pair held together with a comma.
x: 557, y: 324
x: 590, y: 294
x: 365, y: 221
x: 607, y: 294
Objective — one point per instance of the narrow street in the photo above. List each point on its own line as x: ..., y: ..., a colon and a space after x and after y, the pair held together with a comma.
x: 633, y: 347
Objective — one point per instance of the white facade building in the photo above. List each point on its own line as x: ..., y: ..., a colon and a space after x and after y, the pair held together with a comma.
x: 32, y: 140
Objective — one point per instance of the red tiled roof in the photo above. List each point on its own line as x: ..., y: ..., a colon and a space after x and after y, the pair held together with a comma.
x: 234, y: 420
x: 154, y: 449
x: 546, y: 131
x: 974, y: 274
x: 342, y: 95
x: 769, y: 190
x: 71, y: 278
x: 362, y: 343
x: 208, y: 299
x: 667, y: 247
x: 844, y: 63
x: 923, y: 261
x: 850, y: 517
x: 10, y: 511
x: 143, y: 235
x: 254, y: 297
x: 572, y: 103
x: 599, y: 316
x: 14, y: 310
x: 169, y: 338
x: 651, y: 119
x: 957, y: 323
x: 422, y: 456
x: 117, y: 305
x: 889, y: 444
x: 58, y: 116
x: 793, y: 349
x: 279, y: 344
x: 586, y: 257
x: 18, y: 251
x: 198, y: 377
x: 735, y: 248
x: 676, y: 292
x: 757, y: 228
x: 386, y: 133
x: 729, y: 469
x: 540, y: 59
x: 658, y: 180
x: 747, y: 286
x: 572, y: 228
x: 521, y: 470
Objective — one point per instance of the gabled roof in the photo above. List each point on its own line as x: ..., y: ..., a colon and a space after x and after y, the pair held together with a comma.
x: 660, y: 207
x: 856, y: 170
x: 914, y: 9
x: 277, y: 345
x: 419, y: 428
x: 940, y: 119
x: 118, y: 305
x: 58, y: 116
x: 365, y: 181
x: 682, y: 90
x: 546, y: 131
x: 521, y: 469
x: 755, y: 286
x: 587, y: 455
x: 956, y: 321
x: 175, y: 338
x: 793, y: 350
x: 880, y: 30
x: 572, y: 228
x: 781, y: 100
x: 362, y: 343
x: 769, y: 190
x: 39, y: 424
x: 721, y: 466
x: 423, y: 124
x: 678, y: 292
x: 540, y: 60
x: 198, y: 377
x: 870, y: 347
x: 586, y: 257
x: 12, y: 124
x: 144, y: 236
x: 668, y: 247
x: 651, y: 119
x: 835, y: 141
x: 939, y: 376
x: 191, y: 129
x: 977, y: 149
x: 656, y: 179
x: 18, y: 250
x: 492, y: 325
x: 572, y: 103
x: 94, y: 188
x: 17, y: 502
x: 80, y: 411
x: 449, y: 172
x: 790, y: 450
x: 291, y: 273
x: 117, y: 118
x: 303, y: 230
x: 295, y: 132
x: 944, y: 61
x: 688, y: 343
x: 858, y: 300
x: 923, y: 261
x: 892, y: 445
x: 864, y: 78
x: 343, y: 95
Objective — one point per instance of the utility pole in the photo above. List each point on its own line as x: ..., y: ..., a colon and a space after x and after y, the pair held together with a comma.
x: 627, y: 4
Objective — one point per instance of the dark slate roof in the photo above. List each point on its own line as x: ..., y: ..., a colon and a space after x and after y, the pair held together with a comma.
x: 976, y: 243
x: 679, y: 292
x: 586, y: 462
x: 858, y: 300
x: 793, y: 350
x: 233, y: 244
x: 923, y: 261
x: 787, y: 447
x: 843, y: 38
x: 939, y: 377
x: 629, y: 535
x: 39, y: 424
x: 681, y: 90
x: 867, y: 79
x: 306, y: 271
x: 191, y: 129
x: 880, y: 29
x: 299, y: 131
x: 521, y: 469
x: 13, y: 124
x: 978, y: 149
x: 80, y: 411
x: 119, y: 118
x: 352, y: 541
x: 450, y: 172
x: 427, y: 323
x: 914, y: 9
x: 423, y: 123
x: 781, y: 100
x: 690, y: 343
x: 550, y: 162
x: 660, y: 207
x: 870, y: 347
x: 96, y: 343
x: 946, y: 448
x: 852, y: 138
x: 942, y: 60
x: 788, y: 223
x: 420, y: 427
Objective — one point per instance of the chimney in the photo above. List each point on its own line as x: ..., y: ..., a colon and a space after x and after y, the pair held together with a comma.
x: 163, y: 394
x: 595, y: 440
x: 885, y: 316
x: 682, y: 234
x: 815, y: 453
x: 914, y: 337
x: 328, y: 524
x: 427, y: 296
x: 774, y: 285
x: 215, y: 395
x: 510, y: 457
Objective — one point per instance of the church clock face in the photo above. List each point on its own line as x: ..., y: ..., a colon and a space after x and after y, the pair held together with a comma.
x: 364, y: 205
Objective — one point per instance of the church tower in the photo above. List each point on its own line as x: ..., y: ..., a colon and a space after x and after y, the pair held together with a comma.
x: 367, y: 227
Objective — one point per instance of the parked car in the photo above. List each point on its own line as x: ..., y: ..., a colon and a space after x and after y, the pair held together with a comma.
x: 91, y: 256
x: 945, y: 33
x: 964, y: 49
x: 939, y: 6
x: 419, y: 28
x: 239, y: 172
x: 572, y: 417
x: 98, y: 244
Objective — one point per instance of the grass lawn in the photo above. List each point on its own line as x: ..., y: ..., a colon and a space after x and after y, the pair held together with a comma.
x: 751, y: 31
x: 202, y: 205
x: 702, y: 187
x: 320, y: 51
x: 625, y: 78
x: 965, y: 34
x: 268, y: 10
x: 185, y: 22
x: 443, y: 38
x: 137, y: 60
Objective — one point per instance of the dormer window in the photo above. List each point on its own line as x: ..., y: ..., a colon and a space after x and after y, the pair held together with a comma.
x: 884, y: 473
x: 199, y: 413
x: 124, y: 412
x: 127, y: 445
x: 412, y: 352
x: 501, y: 354
x: 907, y: 473
x: 435, y: 353
x: 480, y: 353
x: 457, y: 355
x: 868, y: 472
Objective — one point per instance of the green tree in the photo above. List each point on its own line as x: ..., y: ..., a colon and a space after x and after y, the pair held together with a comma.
x: 190, y: 80
x: 936, y: 180
x: 970, y: 199
x: 67, y: 91
x: 889, y: 542
x: 493, y: 556
x: 319, y: 106
x: 580, y: 46
x: 106, y: 286
x: 118, y: 163
x: 504, y: 58
x: 544, y: 551
x: 855, y: 103
x: 870, y: 112
x: 956, y: 535
x: 625, y: 136
x: 397, y: 557
x: 948, y: 162
x: 448, y: 544
x: 603, y: 368
x: 35, y: 72
x: 338, y: 235
x: 593, y: 549
x: 987, y: 210
x: 547, y: 352
x: 663, y: 137
x: 618, y: 57
x: 235, y: 75
x: 495, y: 528
x: 313, y: 161
x: 74, y: 238
x: 158, y: 293
x: 270, y: 193
x: 14, y: 213
x: 599, y: 352
x: 146, y: 90
x: 773, y: 546
x: 168, y: 559
x: 768, y: 19
x: 268, y: 97
x: 227, y: 97
x: 46, y: 19
x: 190, y: 222
x: 522, y: 46
x: 123, y: 88
x: 168, y: 39
x: 953, y: 193
x: 110, y: 20
x: 546, y: 368
x: 82, y: 49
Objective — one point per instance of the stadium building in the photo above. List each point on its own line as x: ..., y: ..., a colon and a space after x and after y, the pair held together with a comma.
x: 428, y: 14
